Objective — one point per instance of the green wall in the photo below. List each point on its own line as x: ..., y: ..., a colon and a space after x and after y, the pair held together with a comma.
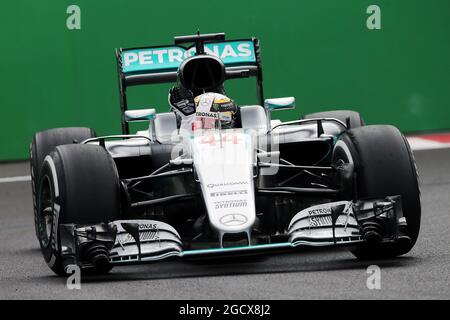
x: 319, y: 51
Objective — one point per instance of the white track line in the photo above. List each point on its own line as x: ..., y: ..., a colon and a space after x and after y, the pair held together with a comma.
x: 418, y: 143
x: 15, y: 179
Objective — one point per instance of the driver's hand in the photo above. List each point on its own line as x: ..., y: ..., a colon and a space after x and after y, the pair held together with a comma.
x: 182, y: 100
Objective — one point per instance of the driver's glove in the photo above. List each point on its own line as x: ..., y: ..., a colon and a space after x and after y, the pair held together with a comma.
x: 182, y: 99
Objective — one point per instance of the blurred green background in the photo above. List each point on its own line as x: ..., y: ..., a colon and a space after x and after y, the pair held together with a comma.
x: 319, y: 51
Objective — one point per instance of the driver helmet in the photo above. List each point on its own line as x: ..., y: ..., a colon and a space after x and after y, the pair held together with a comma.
x: 212, y: 106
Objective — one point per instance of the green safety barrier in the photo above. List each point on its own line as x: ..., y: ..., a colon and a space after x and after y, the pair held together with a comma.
x: 387, y: 59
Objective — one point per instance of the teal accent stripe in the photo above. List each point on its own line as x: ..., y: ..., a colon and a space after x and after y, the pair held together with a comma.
x: 283, y: 245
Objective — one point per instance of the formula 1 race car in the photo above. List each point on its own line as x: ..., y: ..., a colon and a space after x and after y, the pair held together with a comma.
x: 185, y: 190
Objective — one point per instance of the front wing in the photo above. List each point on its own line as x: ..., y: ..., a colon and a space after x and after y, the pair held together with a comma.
x: 334, y: 224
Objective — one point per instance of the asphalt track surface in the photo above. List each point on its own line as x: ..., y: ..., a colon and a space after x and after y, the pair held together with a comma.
x: 421, y: 274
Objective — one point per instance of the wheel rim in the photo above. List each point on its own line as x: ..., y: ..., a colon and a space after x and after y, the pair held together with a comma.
x: 45, y: 211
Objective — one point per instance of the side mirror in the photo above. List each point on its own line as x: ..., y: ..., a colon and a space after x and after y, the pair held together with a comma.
x: 280, y: 103
x: 140, y: 115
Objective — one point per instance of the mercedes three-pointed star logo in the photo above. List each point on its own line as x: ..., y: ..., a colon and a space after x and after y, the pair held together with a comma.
x: 234, y: 219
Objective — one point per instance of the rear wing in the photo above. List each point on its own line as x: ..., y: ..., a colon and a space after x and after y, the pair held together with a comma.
x: 159, y: 64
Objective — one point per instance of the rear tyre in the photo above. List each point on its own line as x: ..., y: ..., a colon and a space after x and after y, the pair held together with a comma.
x: 353, y: 117
x: 46, y: 141
x: 384, y: 166
x: 79, y: 184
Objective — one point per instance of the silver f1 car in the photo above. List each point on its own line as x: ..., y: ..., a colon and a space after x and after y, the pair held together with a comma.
x: 182, y: 189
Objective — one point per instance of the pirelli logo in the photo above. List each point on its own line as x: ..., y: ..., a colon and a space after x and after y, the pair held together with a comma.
x: 228, y: 193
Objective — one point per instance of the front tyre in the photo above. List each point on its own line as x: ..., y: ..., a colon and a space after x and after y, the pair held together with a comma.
x: 384, y: 166
x: 45, y: 142
x: 78, y: 184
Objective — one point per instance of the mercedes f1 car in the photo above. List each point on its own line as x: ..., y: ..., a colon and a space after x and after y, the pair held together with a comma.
x: 181, y: 191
